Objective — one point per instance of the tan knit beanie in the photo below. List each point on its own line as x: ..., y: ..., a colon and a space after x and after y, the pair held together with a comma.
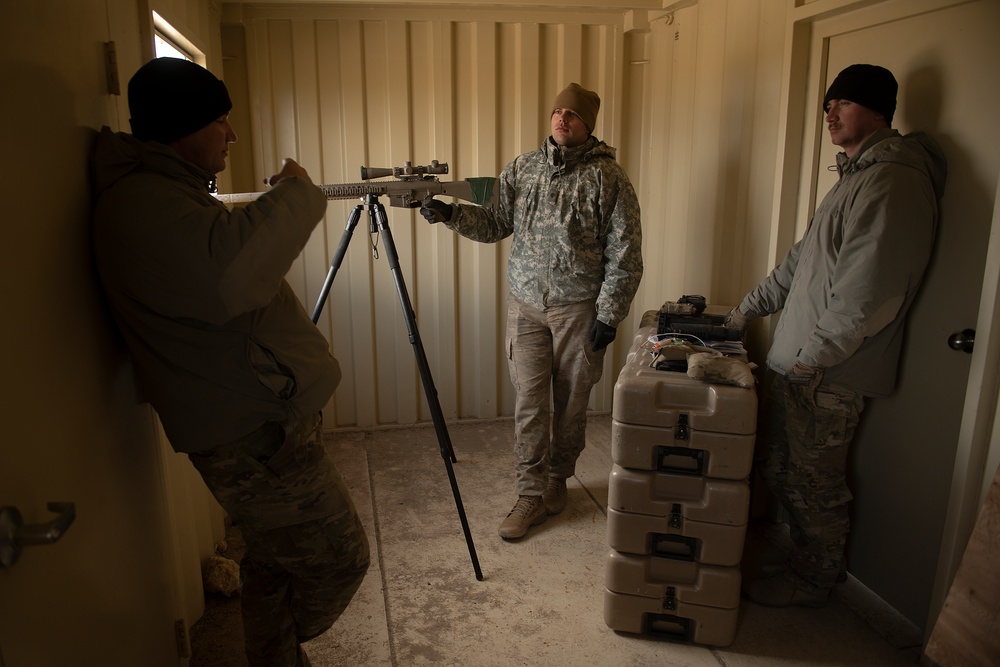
x: 584, y: 102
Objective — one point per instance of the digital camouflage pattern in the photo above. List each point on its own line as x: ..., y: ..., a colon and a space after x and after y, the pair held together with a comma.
x: 575, y: 220
x: 809, y: 432
x: 306, y: 550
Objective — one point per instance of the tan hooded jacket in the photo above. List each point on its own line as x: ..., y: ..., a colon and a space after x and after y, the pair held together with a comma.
x: 844, y: 289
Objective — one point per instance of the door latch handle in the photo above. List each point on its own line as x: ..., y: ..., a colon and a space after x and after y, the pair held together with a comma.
x: 14, y: 535
x: 963, y: 341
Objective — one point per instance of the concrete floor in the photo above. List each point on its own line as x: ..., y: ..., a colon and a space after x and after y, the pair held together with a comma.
x: 541, y: 600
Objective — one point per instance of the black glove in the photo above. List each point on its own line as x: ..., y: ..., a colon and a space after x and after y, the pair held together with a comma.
x: 436, y: 211
x: 601, y: 335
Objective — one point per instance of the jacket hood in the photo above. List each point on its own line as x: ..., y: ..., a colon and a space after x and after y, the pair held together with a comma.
x: 917, y: 150
x: 118, y: 154
x: 593, y: 147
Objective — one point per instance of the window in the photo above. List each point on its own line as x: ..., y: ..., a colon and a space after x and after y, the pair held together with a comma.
x: 168, y: 41
x: 164, y: 47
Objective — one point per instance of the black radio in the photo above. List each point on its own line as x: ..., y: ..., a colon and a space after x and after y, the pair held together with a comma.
x: 687, y: 316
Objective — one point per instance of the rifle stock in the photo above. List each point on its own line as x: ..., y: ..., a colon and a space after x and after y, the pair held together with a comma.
x: 407, y: 193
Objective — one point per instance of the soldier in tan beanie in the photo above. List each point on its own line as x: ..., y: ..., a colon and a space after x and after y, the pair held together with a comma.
x: 574, y: 266
x: 584, y: 103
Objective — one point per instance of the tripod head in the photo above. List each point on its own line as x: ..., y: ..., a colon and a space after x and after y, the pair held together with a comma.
x: 405, y: 173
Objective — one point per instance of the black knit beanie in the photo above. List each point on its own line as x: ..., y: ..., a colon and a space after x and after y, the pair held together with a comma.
x: 868, y: 85
x: 169, y: 98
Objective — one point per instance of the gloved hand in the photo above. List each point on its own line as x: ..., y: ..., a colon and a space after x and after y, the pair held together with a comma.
x: 601, y: 335
x: 801, y: 382
x: 436, y: 211
x: 807, y: 376
x: 736, y: 320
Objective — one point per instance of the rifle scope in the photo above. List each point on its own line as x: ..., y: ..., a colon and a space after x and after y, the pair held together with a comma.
x: 406, y: 172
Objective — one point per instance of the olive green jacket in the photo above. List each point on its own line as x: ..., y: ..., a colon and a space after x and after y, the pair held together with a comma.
x: 220, y: 343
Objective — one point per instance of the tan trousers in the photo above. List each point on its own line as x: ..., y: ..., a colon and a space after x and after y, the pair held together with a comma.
x: 553, y: 369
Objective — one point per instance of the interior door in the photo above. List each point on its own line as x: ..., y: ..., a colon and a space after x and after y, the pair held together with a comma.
x: 73, y: 430
x: 944, y: 56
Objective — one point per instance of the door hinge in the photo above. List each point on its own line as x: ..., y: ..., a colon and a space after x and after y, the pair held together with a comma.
x: 181, y: 635
x: 111, y: 68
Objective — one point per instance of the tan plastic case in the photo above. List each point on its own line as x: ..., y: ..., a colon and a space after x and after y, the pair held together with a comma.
x: 680, y: 497
x: 722, y: 455
x: 646, y: 396
x: 695, y: 541
x: 672, y: 581
x: 711, y: 626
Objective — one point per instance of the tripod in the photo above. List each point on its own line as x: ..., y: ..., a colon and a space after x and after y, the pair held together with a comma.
x: 377, y: 221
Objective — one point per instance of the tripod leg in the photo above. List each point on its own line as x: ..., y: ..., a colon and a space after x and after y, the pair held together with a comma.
x: 444, y: 441
x: 377, y: 212
x: 338, y: 259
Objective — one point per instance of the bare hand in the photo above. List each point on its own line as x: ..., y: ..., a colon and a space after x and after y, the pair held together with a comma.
x: 289, y: 167
x: 801, y: 369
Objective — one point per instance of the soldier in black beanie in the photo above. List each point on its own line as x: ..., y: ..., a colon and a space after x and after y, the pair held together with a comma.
x: 868, y: 85
x: 843, y: 290
x: 170, y: 98
x: 224, y: 351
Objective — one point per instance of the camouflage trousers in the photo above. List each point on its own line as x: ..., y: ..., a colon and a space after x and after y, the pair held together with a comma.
x: 553, y: 369
x: 306, y: 551
x: 809, y: 433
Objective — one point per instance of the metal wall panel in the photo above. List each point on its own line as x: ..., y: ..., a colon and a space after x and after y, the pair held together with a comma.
x: 337, y: 87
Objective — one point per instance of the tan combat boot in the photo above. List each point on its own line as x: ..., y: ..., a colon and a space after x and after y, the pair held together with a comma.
x: 555, y: 495
x: 528, y: 511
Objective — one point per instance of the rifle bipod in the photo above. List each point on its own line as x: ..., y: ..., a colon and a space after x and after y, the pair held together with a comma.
x: 377, y: 220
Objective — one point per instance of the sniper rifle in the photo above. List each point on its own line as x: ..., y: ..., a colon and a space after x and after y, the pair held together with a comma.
x: 414, y: 186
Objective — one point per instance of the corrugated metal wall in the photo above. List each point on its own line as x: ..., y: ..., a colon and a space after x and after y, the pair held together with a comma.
x: 337, y: 87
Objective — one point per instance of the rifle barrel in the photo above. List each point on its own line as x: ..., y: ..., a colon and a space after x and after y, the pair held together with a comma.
x: 398, y: 190
x: 336, y: 191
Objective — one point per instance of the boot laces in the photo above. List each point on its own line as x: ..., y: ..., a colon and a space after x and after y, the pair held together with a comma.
x: 524, y: 506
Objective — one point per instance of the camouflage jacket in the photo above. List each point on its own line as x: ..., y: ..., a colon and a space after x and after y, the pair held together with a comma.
x: 575, y: 220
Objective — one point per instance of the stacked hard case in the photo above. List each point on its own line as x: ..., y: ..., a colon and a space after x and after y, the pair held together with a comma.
x: 678, y: 501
